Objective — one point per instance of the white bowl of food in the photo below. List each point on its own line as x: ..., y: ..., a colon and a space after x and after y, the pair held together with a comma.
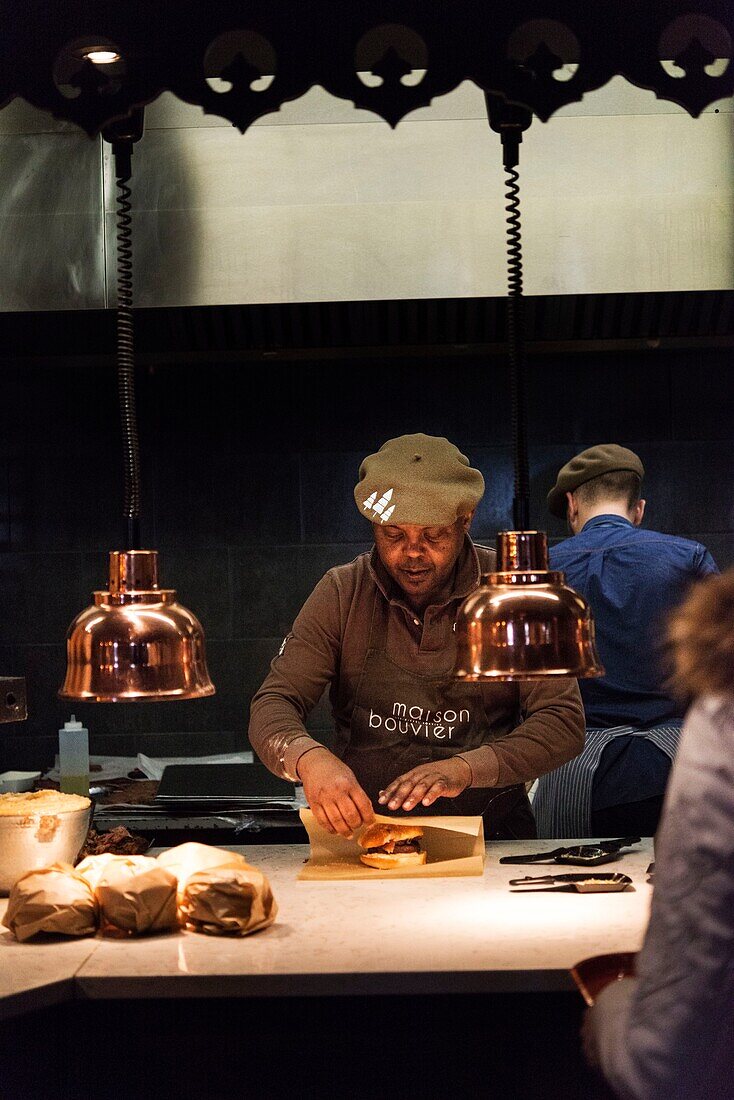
x: 18, y: 781
x: 39, y: 828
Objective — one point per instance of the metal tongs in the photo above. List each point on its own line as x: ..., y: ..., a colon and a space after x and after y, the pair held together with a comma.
x: 583, y: 884
x: 589, y: 855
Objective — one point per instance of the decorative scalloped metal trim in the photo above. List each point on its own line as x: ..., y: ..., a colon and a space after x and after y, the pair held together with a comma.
x: 385, y: 56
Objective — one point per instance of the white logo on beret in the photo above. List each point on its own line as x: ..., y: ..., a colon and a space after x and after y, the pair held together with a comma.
x: 379, y: 507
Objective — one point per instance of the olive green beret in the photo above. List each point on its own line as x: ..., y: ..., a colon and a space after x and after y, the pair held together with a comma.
x: 418, y: 479
x: 602, y: 459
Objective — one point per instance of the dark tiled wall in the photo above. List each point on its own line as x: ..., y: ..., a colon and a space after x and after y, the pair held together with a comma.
x: 248, y: 477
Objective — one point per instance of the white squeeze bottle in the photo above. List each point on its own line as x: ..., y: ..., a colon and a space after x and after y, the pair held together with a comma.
x: 74, y: 757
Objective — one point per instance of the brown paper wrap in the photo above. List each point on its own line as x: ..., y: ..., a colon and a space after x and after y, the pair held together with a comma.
x: 454, y: 846
x: 53, y: 899
x: 188, y: 859
x: 227, y: 901
x: 92, y: 868
x: 135, y: 894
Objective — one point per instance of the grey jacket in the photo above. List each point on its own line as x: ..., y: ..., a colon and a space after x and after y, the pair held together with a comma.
x: 669, y: 1033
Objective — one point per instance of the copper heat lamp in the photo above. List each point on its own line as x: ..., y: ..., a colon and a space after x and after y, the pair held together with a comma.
x: 135, y: 643
x: 523, y: 622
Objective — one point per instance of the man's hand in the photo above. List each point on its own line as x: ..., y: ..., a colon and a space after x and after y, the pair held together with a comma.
x: 333, y: 793
x: 426, y: 783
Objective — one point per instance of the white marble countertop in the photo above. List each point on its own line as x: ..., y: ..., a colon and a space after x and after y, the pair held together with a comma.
x: 433, y: 935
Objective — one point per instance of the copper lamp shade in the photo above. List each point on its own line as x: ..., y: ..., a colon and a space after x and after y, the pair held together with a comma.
x: 524, y: 622
x: 135, y: 643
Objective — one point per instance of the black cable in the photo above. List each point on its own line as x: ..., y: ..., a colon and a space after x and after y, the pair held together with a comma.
x: 509, y: 120
x: 516, y: 349
x: 122, y: 134
x: 125, y: 348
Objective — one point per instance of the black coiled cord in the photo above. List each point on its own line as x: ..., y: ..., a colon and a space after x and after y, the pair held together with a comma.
x: 126, y: 357
x: 516, y: 346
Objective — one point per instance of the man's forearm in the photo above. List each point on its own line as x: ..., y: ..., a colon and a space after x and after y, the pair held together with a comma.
x: 278, y: 736
x: 304, y: 665
x: 532, y: 750
x: 552, y: 733
x: 485, y: 767
x: 514, y: 759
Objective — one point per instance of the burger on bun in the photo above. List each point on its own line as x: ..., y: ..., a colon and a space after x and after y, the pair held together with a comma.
x: 389, y: 846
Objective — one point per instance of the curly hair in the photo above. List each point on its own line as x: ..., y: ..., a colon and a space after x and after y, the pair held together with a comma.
x: 701, y: 638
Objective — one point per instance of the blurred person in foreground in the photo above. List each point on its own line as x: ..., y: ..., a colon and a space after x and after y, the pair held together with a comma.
x: 669, y: 1032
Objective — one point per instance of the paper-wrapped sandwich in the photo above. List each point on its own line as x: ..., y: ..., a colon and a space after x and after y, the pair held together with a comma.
x: 227, y: 901
x: 54, y: 900
x: 134, y: 893
x: 93, y: 867
x: 188, y: 859
x: 218, y: 892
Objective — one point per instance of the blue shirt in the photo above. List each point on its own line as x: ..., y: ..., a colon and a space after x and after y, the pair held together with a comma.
x: 632, y: 579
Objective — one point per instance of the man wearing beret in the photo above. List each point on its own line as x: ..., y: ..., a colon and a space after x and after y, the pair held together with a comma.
x: 632, y: 579
x: 380, y: 632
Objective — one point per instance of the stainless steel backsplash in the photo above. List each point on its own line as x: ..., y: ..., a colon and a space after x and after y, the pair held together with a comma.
x: 52, y: 237
x: 321, y: 202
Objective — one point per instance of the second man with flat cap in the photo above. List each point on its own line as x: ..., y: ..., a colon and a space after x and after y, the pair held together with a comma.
x: 632, y: 578
x: 380, y: 632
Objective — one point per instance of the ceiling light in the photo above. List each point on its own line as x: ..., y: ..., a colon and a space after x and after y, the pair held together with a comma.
x: 524, y: 622
x: 135, y: 643
x: 100, y: 56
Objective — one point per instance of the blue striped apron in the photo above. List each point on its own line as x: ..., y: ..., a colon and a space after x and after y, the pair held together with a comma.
x: 562, y: 804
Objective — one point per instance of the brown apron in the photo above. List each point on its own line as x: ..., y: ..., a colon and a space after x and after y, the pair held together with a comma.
x: 402, y: 719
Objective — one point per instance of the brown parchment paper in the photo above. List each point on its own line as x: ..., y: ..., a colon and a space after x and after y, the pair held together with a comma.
x: 92, y: 868
x: 136, y: 895
x: 454, y: 847
x: 53, y: 899
x: 225, y: 901
x: 190, y: 858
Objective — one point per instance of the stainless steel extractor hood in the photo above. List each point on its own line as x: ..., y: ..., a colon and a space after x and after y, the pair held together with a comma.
x: 323, y: 203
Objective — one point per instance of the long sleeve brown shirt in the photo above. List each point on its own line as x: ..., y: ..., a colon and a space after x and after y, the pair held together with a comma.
x: 531, y: 727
